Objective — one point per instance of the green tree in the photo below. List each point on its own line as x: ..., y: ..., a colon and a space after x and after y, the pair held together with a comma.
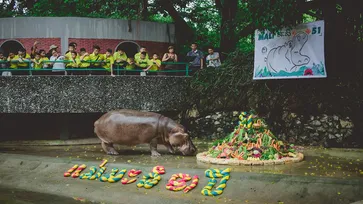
x: 228, y: 24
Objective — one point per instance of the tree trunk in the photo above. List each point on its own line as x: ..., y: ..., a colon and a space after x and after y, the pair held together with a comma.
x: 30, y: 4
x: 248, y: 30
x: 184, y: 33
x: 228, y: 10
x: 144, y: 11
x: 10, y: 7
x: 332, y: 45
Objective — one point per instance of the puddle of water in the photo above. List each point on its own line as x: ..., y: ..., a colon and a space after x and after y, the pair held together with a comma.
x: 318, y: 162
x: 15, y: 196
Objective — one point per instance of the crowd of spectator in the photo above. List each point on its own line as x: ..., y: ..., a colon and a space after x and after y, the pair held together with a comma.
x: 75, y: 62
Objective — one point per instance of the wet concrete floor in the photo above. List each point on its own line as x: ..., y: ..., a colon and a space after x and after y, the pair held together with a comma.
x: 15, y: 196
x: 318, y: 162
x: 332, y: 175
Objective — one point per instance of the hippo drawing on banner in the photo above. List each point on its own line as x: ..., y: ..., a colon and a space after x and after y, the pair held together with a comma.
x: 288, y: 56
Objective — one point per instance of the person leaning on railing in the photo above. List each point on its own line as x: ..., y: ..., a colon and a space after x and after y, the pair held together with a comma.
x: 84, y: 58
x: 120, y: 58
x: 13, y: 62
x: 58, y: 67
x: 108, y: 62
x: 96, y: 57
x: 154, y: 65
x: 142, y: 62
x: 130, y: 67
x: 3, y: 61
x: 71, y: 48
x: 37, y: 63
x: 196, y: 57
x: 44, y: 59
x: 51, y: 49
x: 170, y: 57
x: 142, y: 50
x: 74, y: 46
x: 23, y: 62
x: 213, y: 60
x: 73, y: 64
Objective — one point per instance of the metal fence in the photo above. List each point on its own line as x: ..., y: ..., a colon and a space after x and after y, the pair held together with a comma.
x: 117, y: 69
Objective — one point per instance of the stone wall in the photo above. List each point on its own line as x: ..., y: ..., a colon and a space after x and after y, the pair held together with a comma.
x: 96, y: 94
x: 214, y: 126
x: 325, y: 130
x: 167, y: 95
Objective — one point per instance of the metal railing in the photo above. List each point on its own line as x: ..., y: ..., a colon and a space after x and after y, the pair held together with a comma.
x: 117, y: 69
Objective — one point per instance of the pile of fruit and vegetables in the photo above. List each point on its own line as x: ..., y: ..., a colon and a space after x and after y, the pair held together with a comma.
x: 251, y: 140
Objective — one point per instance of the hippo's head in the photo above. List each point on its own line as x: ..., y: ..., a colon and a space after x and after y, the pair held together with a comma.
x: 297, y: 45
x: 181, y: 140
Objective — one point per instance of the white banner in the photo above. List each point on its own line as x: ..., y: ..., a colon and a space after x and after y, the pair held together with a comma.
x: 290, y: 53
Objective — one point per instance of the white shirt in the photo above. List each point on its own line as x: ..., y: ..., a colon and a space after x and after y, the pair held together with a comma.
x: 57, y: 65
x: 212, y: 62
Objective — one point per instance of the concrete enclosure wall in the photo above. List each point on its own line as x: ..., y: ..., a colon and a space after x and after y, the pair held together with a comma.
x: 86, y: 28
x: 84, y: 94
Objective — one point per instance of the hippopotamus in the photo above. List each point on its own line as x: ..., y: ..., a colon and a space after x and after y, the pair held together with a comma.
x: 131, y: 127
x: 288, y: 56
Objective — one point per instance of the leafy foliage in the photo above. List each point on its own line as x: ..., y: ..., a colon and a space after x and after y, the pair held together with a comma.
x: 227, y: 82
x: 280, y: 13
x: 98, y: 9
x: 203, y: 16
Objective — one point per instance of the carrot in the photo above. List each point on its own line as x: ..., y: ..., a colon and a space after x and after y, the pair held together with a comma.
x: 276, y: 146
x: 234, y: 139
x: 272, y: 142
x: 235, y: 154
x: 259, y: 142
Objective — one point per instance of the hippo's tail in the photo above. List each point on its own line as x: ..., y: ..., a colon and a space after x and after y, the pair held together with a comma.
x: 96, y: 130
x: 96, y: 124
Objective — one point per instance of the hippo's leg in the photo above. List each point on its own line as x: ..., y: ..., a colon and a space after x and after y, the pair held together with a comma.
x: 170, y: 148
x: 109, y: 149
x: 153, y: 148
